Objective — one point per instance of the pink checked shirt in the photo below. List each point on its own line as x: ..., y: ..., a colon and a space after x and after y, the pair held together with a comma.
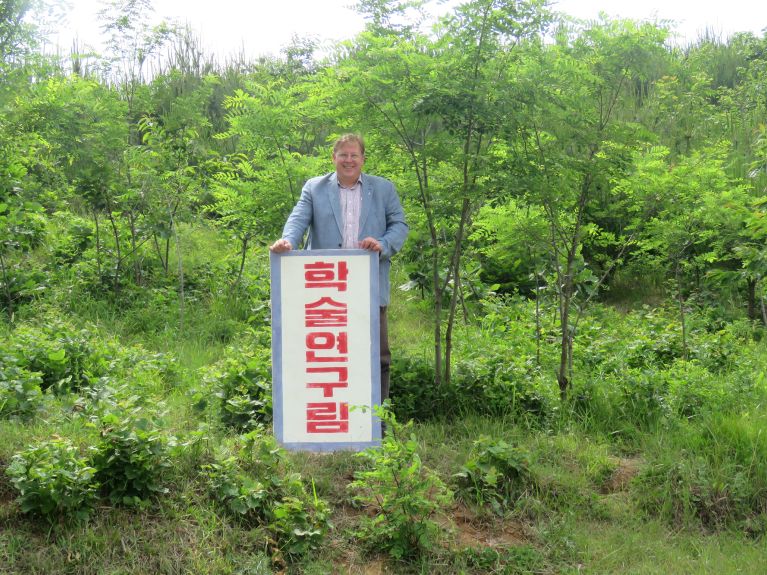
x: 351, y: 206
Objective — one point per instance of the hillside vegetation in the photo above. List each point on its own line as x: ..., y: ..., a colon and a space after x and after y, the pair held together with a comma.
x: 579, y: 376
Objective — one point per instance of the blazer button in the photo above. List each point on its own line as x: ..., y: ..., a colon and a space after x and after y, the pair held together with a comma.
x: 339, y: 245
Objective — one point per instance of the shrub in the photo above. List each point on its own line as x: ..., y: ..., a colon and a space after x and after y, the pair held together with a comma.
x: 239, y: 493
x: 694, y: 390
x: 20, y: 285
x: 492, y: 384
x: 131, y: 458
x: 53, y: 480
x: 75, y: 235
x: 66, y: 357
x: 413, y: 393
x: 258, y: 486
x: 20, y: 394
x: 401, y: 495
x: 157, y: 368
x: 242, y: 382
x: 642, y: 398
x: 496, y: 384
x: 496, y: 474
x: 150, y: 310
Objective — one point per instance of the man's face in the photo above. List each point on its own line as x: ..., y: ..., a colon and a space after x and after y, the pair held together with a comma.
x: 348, y: 160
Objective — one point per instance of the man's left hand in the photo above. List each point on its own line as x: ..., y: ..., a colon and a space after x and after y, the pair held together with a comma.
x: 371, y: 244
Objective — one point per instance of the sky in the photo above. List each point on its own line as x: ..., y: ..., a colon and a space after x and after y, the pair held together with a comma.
x: 691, y: 17
x: 259, y: 27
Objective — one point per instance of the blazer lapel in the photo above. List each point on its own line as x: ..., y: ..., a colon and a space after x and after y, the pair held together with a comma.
x: 367, y: 202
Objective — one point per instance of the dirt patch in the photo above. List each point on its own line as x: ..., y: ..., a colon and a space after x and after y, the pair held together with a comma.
x: 627, y: 468
x: 471, y: 530
x: 352, y: 564
x: 475, y: 531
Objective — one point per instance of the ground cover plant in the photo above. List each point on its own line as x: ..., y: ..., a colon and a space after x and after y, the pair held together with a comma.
x: 257, y: 486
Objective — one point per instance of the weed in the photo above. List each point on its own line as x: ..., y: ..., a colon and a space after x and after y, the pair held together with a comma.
x: 54, y: 480
x: 497, y: 474
x: 400, y: 493
x: 258, y: 486
x: 20, y: 394
x: 712, y: 474
x: 131, y: 458
x: 523, y: 559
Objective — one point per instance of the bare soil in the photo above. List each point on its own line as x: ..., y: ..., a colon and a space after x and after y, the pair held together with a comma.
x: 627, y: 468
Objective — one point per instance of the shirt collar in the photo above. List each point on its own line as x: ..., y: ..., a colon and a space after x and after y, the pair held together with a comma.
x: 353, y: 186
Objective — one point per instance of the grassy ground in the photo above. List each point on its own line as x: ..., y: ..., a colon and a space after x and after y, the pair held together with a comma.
x: 583, y: 520
x: 580, y: 511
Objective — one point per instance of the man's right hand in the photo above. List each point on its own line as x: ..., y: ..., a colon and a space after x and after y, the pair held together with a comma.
x: 281, y: 245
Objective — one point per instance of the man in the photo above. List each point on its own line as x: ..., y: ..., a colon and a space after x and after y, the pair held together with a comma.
x: 351, y: 210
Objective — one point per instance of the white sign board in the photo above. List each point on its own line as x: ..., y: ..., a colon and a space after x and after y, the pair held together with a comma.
x: 325, y: 349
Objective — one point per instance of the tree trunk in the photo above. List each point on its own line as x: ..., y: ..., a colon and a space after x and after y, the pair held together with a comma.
x: 456, y: 273
x: 243, y: 255
x: 118, y: 250
x: 764, y: 310
x: 567, y: 291
x: 537, y: 318
x: 137, y: 271
x: 682, y: 316
x: 98, y: 242
x: 167, y: 250
x: 163, y: 260
x: 751, y: 299
x: 437, y: 317
x: 565, y: 346
x: 7, y: 284
x: 118, y: 245
x: 180, y: 264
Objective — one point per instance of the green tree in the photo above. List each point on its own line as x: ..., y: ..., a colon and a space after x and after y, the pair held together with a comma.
x: 21, y: 227
x: 577, y: 138
x: 275, y: 131
x: 692, y: 218
x: 438, y: 108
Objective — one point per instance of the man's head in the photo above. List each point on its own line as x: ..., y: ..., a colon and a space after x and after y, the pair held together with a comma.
x: 348, y: 158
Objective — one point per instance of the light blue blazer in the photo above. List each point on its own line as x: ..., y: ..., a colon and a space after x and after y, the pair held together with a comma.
x: 318, y: 211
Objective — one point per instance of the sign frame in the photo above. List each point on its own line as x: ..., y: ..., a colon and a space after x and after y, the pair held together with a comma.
x: 281, y: 297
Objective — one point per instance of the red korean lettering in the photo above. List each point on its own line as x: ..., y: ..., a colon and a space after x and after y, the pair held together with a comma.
x: 327, y: 417
x: 325, y: 312
x: 328, y: 340
x: 325, y: 341
x: 329, y: 387
x: 312, y: 357
x: 326, y: 275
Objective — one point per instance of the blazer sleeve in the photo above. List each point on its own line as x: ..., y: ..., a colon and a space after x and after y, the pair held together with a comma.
x: 300, y: 218
x: 397, y: 229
